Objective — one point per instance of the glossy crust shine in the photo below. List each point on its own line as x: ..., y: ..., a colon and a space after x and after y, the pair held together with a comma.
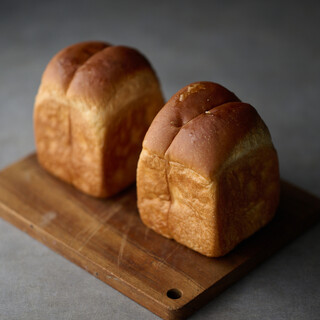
x: 94, y: 105
x: 208, y: 173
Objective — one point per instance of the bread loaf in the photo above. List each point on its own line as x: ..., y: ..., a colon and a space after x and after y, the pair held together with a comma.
x: 208, y: 173
x: 93, y: 108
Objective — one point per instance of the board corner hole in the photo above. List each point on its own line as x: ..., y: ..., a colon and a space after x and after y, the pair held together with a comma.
x: 174, y: 294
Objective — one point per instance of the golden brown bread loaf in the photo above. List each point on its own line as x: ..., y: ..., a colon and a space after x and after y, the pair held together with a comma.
x: 93, y: 108
x: 208, y: 173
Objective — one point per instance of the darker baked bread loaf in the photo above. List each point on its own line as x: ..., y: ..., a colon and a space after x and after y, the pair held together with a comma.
x: 93, y: 108
x: 208, y: 173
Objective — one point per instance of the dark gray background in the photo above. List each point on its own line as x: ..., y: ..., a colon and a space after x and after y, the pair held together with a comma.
x: 268, y: 53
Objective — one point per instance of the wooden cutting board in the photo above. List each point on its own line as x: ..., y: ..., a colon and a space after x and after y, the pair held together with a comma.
x: 107, y: 238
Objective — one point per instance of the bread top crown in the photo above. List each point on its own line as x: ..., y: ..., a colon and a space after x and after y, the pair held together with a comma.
x: 90, y: 71
x: 204, y: 126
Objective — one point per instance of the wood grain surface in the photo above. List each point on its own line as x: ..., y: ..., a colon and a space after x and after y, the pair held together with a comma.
x: 107, y: 238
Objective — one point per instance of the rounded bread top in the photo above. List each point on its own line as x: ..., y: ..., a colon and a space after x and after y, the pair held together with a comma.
x: 90, y: 71
x: 204, y: 126
x: 185, y: 105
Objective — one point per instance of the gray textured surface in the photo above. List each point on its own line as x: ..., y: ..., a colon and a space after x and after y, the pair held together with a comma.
x: 268, y: 53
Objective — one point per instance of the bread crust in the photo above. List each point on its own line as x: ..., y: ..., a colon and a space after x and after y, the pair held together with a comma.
x: 94, y: 105
x: 221, y: 170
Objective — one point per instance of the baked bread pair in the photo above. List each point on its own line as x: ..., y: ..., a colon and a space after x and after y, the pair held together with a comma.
x: 208, y: 173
